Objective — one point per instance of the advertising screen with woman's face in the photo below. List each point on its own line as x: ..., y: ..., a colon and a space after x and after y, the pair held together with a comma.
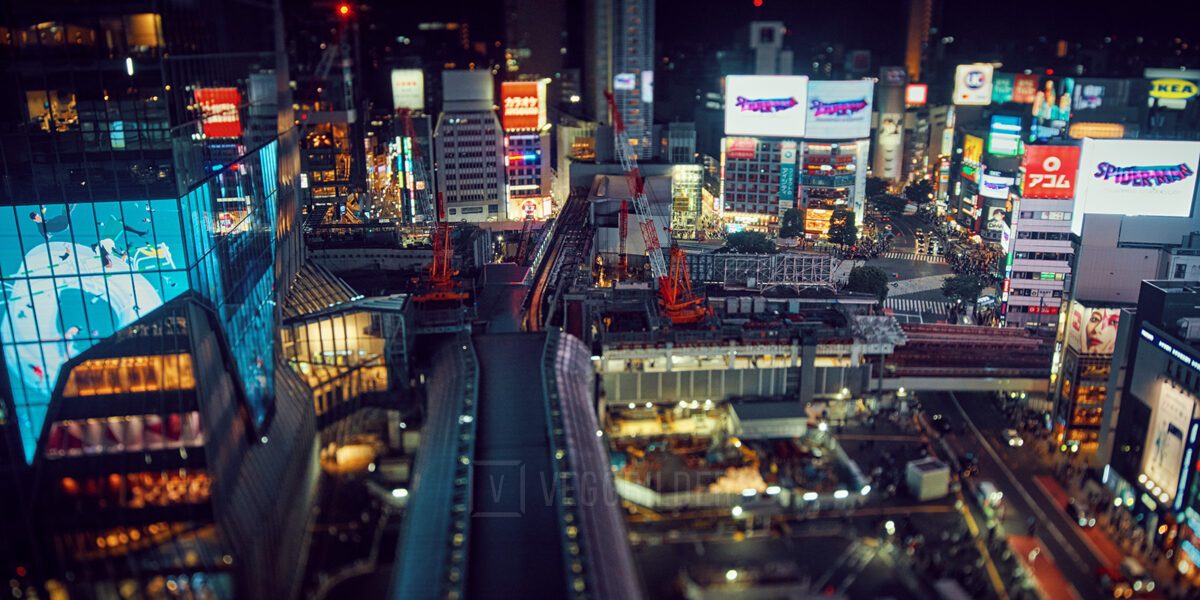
x: 1093, y: 330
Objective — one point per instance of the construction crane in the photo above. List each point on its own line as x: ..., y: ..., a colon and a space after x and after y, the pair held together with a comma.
x: 526, y: 237
x: 439, y: 284
x: 422, y: 198
x: 622, y: 233
x: 679, y: 302
x: 628, y: 156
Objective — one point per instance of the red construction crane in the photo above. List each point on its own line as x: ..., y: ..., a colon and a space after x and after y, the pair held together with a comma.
x: 679, y: 303
x: 439, y: 285
x: 622, y: 233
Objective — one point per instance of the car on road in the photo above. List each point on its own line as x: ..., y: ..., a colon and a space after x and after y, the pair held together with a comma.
x: 1137, y: 577
x: 969, y: 464
x: 1080, y: 514
x: 1013, y: 439
x: 939, y: 422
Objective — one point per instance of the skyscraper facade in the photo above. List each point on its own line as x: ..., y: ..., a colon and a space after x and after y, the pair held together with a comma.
x: 469, y: 144
x: 620, y: 58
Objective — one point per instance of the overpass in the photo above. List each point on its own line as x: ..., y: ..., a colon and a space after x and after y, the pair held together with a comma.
x: 968, y: 358
x: 512, y: 495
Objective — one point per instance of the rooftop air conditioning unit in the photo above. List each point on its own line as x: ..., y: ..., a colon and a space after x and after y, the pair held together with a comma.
x: 1189, y: 328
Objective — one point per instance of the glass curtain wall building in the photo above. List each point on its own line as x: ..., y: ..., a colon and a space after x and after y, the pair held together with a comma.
x: 148, y: 157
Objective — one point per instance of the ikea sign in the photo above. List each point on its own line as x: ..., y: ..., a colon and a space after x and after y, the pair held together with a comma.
x: 1172, y: 89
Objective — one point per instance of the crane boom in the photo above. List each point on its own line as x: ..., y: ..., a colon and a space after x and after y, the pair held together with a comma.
x: 625, y: 151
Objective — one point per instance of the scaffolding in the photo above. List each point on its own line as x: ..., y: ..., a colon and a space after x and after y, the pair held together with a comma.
x: 794, y: 270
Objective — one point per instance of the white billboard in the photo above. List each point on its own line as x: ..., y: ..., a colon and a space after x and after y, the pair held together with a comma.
x: 1136, y: 177
x: 625, y: 82
x: 973, y: 84
x: 408, y: 89
x: 1170, y: 419
x: 765, y: 105
x: 839, y: 110
x: 995, y: 186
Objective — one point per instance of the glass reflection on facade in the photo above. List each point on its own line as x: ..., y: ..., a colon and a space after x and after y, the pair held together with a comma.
x: 72, y: 275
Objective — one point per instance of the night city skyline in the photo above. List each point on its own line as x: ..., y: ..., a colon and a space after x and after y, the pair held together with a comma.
x: 608, y: 299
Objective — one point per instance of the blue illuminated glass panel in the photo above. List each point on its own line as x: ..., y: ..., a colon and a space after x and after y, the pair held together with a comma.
x: 72, y: 275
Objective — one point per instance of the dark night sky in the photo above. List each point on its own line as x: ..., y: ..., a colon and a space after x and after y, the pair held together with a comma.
x: 879, y: 24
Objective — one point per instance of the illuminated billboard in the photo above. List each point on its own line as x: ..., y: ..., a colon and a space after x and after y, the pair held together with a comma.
x: 1004, y: 136
x: 916, y: 94
x: 972, y: 157
x: 1162, y: 459
x: 889, y: 138
x: 973, y: 84
x: 839, y: 109
x: 1051, y: 109
x: 219, y: 112
x: 1050, y: 171
x: 523, y: 105
x: 1025, y: 89
x: 787, y: 170
x: 73, y: 275
x: 1137, y: 177
x: 745, y: 148
x: 765, y: 105
x: 995, y: 186
x: 1092, y: 330
x: 408, y: 89
x: 1002, y: 88
x: 625, y: 82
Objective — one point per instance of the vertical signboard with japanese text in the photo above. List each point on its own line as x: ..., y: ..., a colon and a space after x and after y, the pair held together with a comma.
x: 787, y: 172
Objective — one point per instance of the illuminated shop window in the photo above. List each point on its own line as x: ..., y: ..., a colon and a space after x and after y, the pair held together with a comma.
x: 115, y: 435
x: 136, y: 490
x: 131, y: 374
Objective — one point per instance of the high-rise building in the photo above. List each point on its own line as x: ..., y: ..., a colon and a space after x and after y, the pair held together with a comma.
x: 620, y: 58
x: 766, y: 40
x: 526, y: 148
x: 469, y: 149
x: 148, y: 229
x: 920, y: 16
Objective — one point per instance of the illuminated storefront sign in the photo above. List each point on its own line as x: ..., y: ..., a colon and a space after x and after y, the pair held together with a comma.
x: 742, y: 148
x: 839, y: 109
x: 1100, y: 131
x: 995, y: 186
x: 1050, y: 171
x: 625, y: 82
x: 219, y: 110
x: 766, y: 105
x: 523, y: 105
x: 408, y: 89
x: 787, y: 171
x: 1172, y: 89
x: 1051, y: 109
x: 973, y: 84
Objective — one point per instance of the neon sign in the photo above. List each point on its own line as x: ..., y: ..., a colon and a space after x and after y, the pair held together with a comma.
x: 837, y: 109
x: 1143, y: 176
x: 767, y: 105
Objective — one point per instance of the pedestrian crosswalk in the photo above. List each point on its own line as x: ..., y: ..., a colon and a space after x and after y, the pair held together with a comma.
x: 939, y: 260
x: 916, y: 306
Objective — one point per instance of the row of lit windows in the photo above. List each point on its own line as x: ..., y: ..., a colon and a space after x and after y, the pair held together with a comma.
x: 131, y: 374
x: 138, y: 490
x: 116, y: 435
